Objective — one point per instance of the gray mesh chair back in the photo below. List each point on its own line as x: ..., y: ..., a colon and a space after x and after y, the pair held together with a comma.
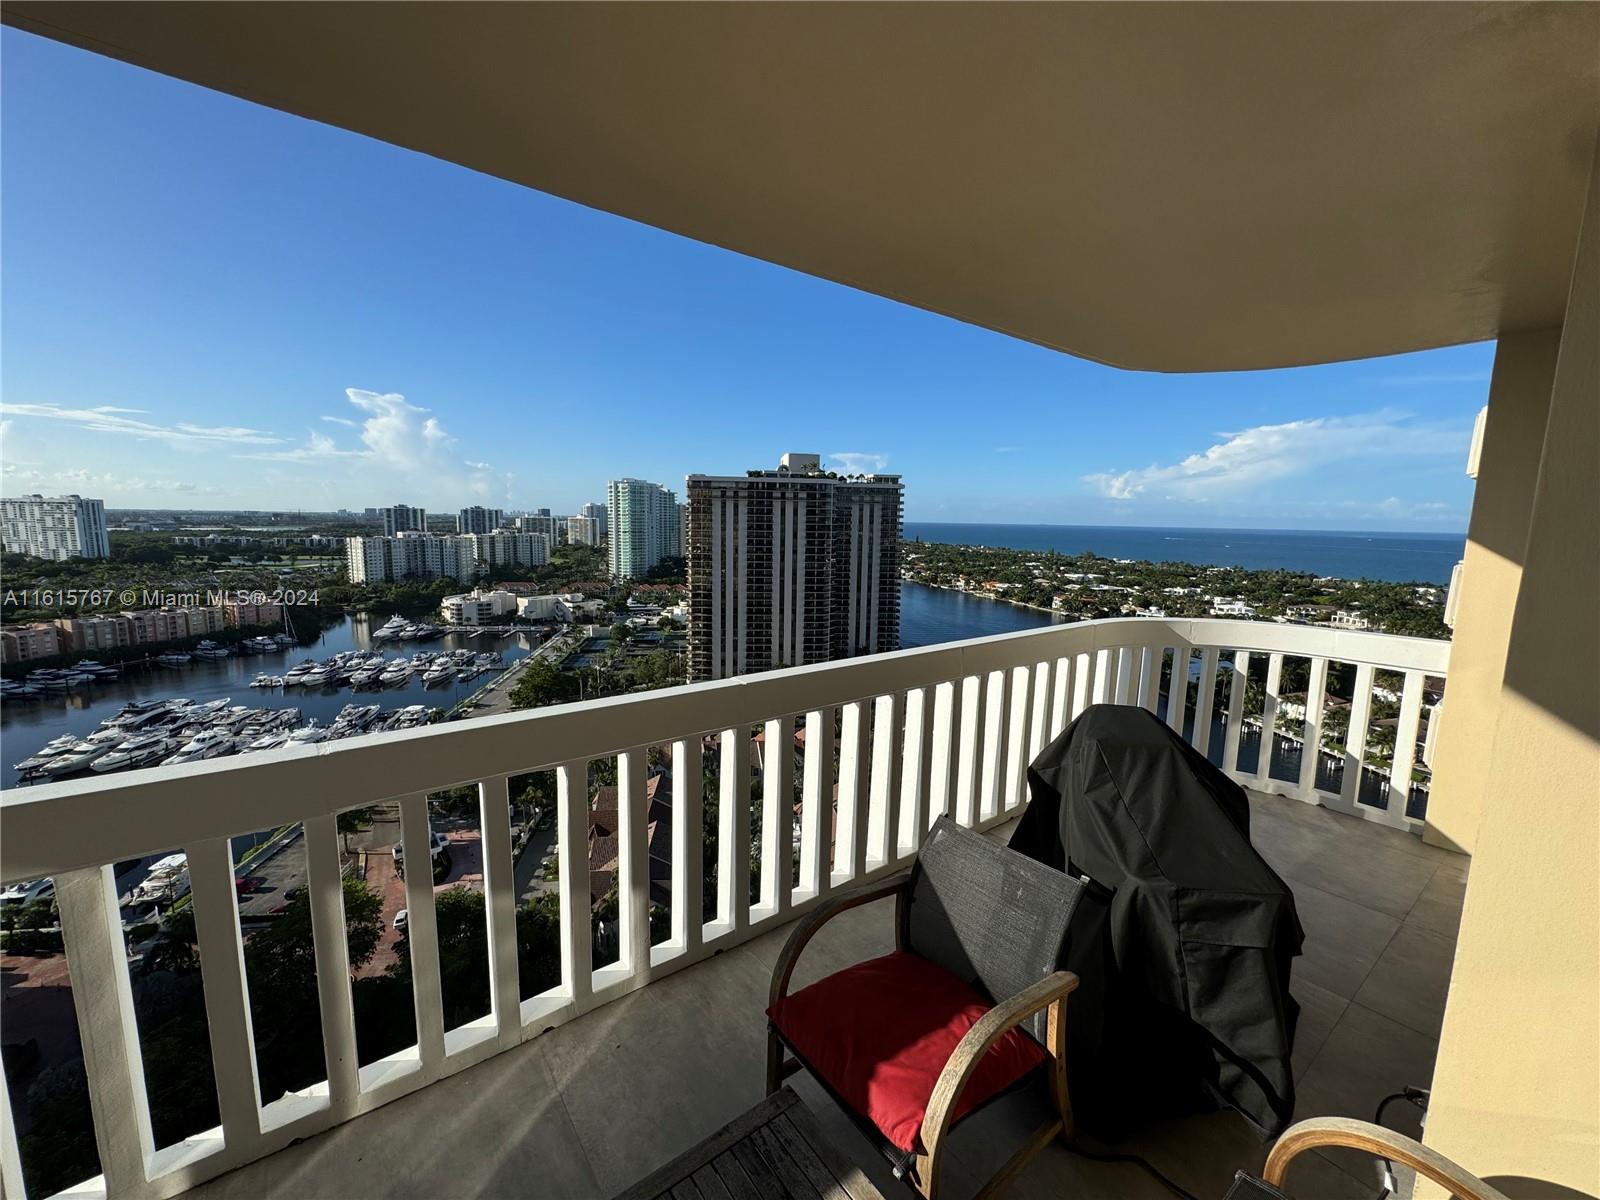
x: 990, y: 916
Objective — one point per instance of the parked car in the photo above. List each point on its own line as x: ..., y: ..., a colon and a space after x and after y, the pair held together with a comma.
x: 436, y: 841
x: 400, y: 920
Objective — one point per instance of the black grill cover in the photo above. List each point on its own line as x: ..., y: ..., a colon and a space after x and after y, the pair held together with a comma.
x: 1203, y: 931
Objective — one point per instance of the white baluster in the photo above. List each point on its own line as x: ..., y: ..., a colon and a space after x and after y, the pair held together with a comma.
x: 1104, y: 675
x: 855, y: 788
x: 633, y: 861
x: 688, y: 844
x: 1150, y: 678
x: 998, y: 710
x: 422, y: 931
x: 1061, y: 698
x: 816, y: 809
x: 500, y: 908
x: 1355, y: 738
x: 1405, y: 749
x: 1238, y: 688
x: 11, y: 1150
x: 1178, y: 689
x: 1205, y: 698
x: 919, y: 768
x: 1043, y: 701
x: 1082, y: 683
x: 733, y: 830
x: 216, y: 924
x: 888, y: 769
x: 97, y: 962
x: 1269, y: 718
x: 325, y: 886
x: 1311, y: 747
x: 1017, y: 757
x: 777, y: 817
x: 1128, y: 658
x: 969, y: 771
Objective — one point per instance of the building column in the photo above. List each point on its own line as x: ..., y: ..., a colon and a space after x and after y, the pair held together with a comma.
x: 1515, y: 1096
x: 1491, y: 573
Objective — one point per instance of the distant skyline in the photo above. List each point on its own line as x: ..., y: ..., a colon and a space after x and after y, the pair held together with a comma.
x: 210, y: 304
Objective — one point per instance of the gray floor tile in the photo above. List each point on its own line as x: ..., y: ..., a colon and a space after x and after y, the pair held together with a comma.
x: 1438, y: 908
x: 1411, y: 980
x: 1343, y: 939
x: 1367, y: 1057
x: 1320, y: 1011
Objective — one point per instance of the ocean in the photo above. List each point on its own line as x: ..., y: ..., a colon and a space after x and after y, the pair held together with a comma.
x: 1395, y: 557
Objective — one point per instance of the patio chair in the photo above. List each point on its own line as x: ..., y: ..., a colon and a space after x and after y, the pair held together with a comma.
x: 969, y: 1006
x: 1358, y: 1135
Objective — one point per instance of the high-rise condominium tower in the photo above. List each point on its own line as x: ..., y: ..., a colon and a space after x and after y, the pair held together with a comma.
x: 56, y: 527
x: 402, y: 518
x: 601, y: 514
x: 479, y: 520
x: 791, y: 566
x: 644, y: 526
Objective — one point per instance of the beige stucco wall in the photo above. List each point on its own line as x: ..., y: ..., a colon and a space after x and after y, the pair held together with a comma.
x: 1491, y: 573
x: 1516, y: 1091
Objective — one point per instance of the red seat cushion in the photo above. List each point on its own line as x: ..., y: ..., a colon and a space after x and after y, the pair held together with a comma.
x: 880, y: 1032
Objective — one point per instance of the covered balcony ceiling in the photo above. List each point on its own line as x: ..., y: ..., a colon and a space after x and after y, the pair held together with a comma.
x: 1161, y: 187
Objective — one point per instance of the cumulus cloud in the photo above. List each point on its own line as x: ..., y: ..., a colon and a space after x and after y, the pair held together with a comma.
x: 858, y: 462
x: 1246, y: 460
x: 107, y: 418
x: 400, y: 440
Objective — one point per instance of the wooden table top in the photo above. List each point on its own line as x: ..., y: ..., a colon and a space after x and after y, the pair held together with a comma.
x: 774, y: 1150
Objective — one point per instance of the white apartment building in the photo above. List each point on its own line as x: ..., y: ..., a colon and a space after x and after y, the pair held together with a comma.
x: 538, y: 608
x: 791, y: 566
x: 511, y: 548
x: 601, y: 513
x: 552, y: 529
x: 584, y: 531
x: 402, y: 518
x: 1349, y: 620
x: 645, y: 527
x: 411, y: 556
x: 477, y: 607
x: 55, y: 527
x: 1230, y: 606
x: 479, y: 520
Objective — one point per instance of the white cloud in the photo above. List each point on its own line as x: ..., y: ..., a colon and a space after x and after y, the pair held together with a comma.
x: 109, y: 418
x: 401, y: 442
x: 858, y: 462
x: 1245, y: 461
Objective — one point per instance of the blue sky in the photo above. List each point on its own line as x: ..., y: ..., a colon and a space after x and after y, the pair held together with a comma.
x: 211, y: 304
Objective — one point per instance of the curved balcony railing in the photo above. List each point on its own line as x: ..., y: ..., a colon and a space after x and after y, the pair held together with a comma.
x: 896, y: 740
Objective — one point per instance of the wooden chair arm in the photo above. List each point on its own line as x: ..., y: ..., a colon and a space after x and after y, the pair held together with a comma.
x: 807, y: 928
x: 969, y: 1051
x: 1377, y: 1141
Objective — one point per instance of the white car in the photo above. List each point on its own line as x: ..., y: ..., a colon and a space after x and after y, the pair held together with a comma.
x: 400, y: 919
x: 436, y: 842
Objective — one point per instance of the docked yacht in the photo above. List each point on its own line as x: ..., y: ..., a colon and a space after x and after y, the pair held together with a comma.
x: 77, y: 757
x: 394, y: 627
x: 267, y: 681
x: 141, y: 750
x: 209, y: 743
x: 442, y: 672
x: 307, y: 735
x: 173, y: 658
x: 47, y: 753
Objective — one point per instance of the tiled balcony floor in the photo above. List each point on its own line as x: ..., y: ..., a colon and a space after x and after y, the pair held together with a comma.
x: 587, y: 1108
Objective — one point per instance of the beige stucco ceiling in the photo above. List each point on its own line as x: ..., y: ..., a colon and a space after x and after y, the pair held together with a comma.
x: 1167, y: 187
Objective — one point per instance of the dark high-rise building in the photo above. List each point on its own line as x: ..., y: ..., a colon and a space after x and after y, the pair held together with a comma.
x: 791, y: 566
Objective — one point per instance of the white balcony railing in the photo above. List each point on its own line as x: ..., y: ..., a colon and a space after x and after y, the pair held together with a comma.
x: 947, y: 729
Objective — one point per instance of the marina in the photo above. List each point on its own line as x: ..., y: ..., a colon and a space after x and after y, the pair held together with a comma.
x: 293, y: 693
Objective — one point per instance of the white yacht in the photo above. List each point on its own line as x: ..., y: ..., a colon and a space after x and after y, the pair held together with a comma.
x: 76, y: 758
x: 208, y: 743
x: 138, y: 751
